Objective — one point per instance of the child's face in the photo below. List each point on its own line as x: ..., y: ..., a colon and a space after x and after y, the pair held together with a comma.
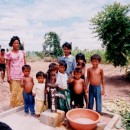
x: 66, y: 51
x: 77, y: 75
x: 26, y: 72
x: 53, y: 72
x: 40, y: 79
x: 80, y: 61
x: 61, y: 69
x: 16, y: 45
x: 95, y: 63
x: 79, y: 66
x: 3, y: 52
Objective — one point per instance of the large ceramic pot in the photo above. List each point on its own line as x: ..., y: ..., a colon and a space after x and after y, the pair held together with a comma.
x: 83, y: 119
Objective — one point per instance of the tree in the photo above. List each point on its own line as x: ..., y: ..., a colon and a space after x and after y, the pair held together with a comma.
x: 112, y: 26
x: 51, y: 44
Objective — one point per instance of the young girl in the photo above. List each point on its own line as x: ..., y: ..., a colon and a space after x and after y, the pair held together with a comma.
x: 68, y: 58
x: 71, y: 64
x: 80, y: 60
x: 50, y: 79
x: 63, y: 104
x: 38, y: 92
x: 15, y: 59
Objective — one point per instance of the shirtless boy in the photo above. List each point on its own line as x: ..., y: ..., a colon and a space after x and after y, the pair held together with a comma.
x: 78, y: 89
x: 27, y: 84
x: 95, y: 79
x: 2, y: 64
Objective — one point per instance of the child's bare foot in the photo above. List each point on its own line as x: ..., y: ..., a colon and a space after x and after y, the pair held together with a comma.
x: 37, y: 115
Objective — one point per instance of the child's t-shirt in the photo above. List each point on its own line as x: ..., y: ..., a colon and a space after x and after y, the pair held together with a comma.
x: 39, y: 89
x: 16, y: 63
x: 61, y: 80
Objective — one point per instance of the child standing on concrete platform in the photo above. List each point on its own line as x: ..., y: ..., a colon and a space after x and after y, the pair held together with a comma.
x: 39, y: 93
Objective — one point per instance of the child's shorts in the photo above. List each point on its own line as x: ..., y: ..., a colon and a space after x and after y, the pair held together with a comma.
x: 39, y: 106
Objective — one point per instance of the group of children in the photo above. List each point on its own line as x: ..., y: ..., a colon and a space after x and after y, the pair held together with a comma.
x: 67, y: 76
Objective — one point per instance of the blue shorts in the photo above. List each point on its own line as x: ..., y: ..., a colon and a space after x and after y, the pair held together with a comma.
x: 95, y: 93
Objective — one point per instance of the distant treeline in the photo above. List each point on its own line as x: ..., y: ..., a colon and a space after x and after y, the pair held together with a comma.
x: 88, y: 53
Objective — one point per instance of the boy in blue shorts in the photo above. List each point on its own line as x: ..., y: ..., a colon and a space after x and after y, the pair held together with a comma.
x: 95, y: 80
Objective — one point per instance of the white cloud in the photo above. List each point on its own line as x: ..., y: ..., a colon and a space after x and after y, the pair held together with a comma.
x: 31, y: 20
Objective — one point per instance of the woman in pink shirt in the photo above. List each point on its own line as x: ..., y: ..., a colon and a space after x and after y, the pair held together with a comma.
x: 15, y: 59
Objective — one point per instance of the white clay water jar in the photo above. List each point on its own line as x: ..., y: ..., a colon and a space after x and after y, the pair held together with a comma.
x: 83, y: 120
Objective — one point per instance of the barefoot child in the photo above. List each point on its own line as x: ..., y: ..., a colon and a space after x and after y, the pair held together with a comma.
x: 50, y: 79
x: 61, y: 81
x: 27, y: 84
x: 39, y: 93
x: 95, y: 78
x: 78, y: 89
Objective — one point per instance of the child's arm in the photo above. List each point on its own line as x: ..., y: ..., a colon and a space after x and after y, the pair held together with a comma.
x: 45, y: 93
x: 70, y: 80
x: 103, y: 82
x: 22, y: 82
x: 8, y: 70
x: 52, y: 85
x: 87, y: 81
x: 85, y: 94
x: 32, y: 80
x: 34, y: 91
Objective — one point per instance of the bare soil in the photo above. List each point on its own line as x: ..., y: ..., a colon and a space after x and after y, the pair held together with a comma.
x: 116, y: 86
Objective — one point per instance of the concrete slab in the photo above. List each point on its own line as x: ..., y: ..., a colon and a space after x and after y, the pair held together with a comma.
x: 20, y: 121
x: 17, y: 120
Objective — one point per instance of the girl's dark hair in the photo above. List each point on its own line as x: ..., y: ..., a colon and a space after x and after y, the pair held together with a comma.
x: 40, y: 73
x: 13, y: 39
x: 96, y: 57
x: 78, y: 70
x: 26, y: 67
x: 68, y: 45
x: 80, y: 56
x: 63, y: 63
x: 52, y: 66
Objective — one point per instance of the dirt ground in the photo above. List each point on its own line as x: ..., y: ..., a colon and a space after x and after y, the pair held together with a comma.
x: 116, y: 86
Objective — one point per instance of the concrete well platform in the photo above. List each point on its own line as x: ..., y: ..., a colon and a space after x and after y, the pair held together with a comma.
x: 17, y: 120
x: 52, y: 119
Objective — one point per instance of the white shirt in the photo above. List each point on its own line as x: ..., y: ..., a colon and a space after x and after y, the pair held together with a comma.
x: 39, y: 89
x: 61, y: 80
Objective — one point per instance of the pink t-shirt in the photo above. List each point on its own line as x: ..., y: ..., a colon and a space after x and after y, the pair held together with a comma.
x: 16, y: 63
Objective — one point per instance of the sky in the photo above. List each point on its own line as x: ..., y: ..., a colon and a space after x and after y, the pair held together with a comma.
x: 30, y: 20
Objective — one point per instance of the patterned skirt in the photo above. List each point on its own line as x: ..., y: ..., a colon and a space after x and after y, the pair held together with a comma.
x: 16, y: 97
